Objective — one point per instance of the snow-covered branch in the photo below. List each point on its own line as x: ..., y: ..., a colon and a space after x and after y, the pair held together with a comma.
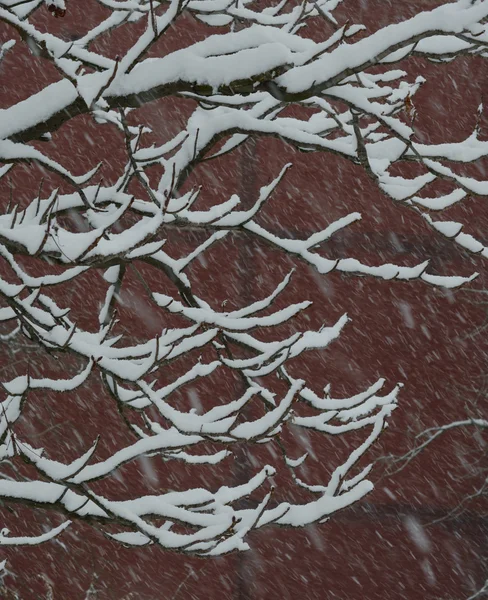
x: 239, y: 82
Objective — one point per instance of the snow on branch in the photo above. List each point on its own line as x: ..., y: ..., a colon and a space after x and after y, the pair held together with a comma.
x: 239, y: 83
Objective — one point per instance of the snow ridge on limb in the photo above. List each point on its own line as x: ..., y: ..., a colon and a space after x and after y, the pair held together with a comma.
x: 240, y: 83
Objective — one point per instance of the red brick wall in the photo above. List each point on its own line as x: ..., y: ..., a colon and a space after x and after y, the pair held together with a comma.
x: 406, y: 332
